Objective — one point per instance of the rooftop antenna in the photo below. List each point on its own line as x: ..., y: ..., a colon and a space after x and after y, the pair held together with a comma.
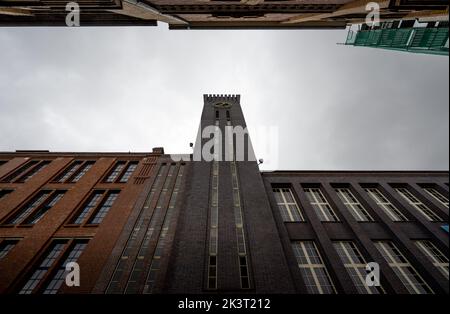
x: 260, y: 161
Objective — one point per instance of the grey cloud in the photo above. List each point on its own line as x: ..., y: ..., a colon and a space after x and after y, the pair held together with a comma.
x: 121, y: 89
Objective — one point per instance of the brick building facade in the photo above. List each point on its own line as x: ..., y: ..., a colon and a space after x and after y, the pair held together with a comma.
x: 150, y: 223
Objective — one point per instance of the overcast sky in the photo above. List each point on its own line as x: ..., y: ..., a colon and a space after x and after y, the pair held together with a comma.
x: 130, y: 89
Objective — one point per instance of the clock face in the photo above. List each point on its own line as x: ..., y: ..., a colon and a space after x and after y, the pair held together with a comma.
x: 223, y: 105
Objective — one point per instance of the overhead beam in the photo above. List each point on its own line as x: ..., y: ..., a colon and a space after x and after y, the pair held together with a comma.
x: 353, y: 7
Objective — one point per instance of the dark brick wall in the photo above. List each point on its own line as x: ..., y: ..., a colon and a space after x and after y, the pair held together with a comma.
x: 363, y: 233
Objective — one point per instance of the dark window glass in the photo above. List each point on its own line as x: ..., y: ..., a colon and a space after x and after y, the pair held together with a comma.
x: 88, y: 207
x: 19, y: 171
x: 6, y: 246
x: 104, y: 209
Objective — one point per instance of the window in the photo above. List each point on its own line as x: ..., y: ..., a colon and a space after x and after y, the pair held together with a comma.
x: 353, y: 205
x: 133, y: 242
x: 393, y: 212
x: 6, y: 246
x: 213, y: 227
x: 97, y: 206
x: 50, y: 274
x: 287, y: 205
x: 66, y: 174
x: 121, y: 172
x: 408, y: 275
x: 19, y: 171
x: 40, y: 212
x: 82, y: 171
x: 320, y: 204
x: 145, y: 247
x: 312, y: 268
x: 127, y: 174
x: 26, y: 171
x: 114, y: 174
x: 240, y: 232
x: 157, y: 255
x: 438, y: 196
x: 439, y: 260
x: 355, y: 264
x: 104, y: 209
x: 74, y: 172
x: 59, y: 277
x: 35, y: 170
x: 50, y: 257
x: 3, y: 193
x: 421, y: 207
x: 36, y: 208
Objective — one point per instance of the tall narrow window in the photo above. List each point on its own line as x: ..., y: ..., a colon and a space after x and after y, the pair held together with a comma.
x: 392, y: 211
x: 145, y: 247
x: 121, y: 172
x: 74, y: 172
x: 96, y: 207
x: 212, y: 282
x: 320, y: 204
x: 68, y: 172
x: 104, y: 208
x: 4, y: 192
x: 35, y: 209
x: 50, y: 273
x: 240, y: 230
x: 60, y: 270
x: 84, y: 168
x: 88, y: 207
x: 133, y: 240
x: 355, y: 264
x: 438, y: 196
x: 35, y: 170
x: 213, y: 227
x: 353, y: 205
x: 312, y: 268
x: 287, y: 205
x: 418, y: 205
x: 127, y: 174
x: 51, y: 256
x: 408, y: 275
x: 21, y: 170
x: 6, y: 246
x: 40, y: 212
x: 439, y: 259
x: 155, y: 264
x: 114, y: 174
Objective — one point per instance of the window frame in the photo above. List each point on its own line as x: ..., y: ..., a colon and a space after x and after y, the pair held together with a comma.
x: 86, y: 220
x: 350, y: 206
x: 117, y: 179
x: 416, y: 203
x: 328, y: 213
x: 298, y: 246
x: 286, y: 204
x: 395, y: 214
x: 22, y: 213
x: 381, y: 246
